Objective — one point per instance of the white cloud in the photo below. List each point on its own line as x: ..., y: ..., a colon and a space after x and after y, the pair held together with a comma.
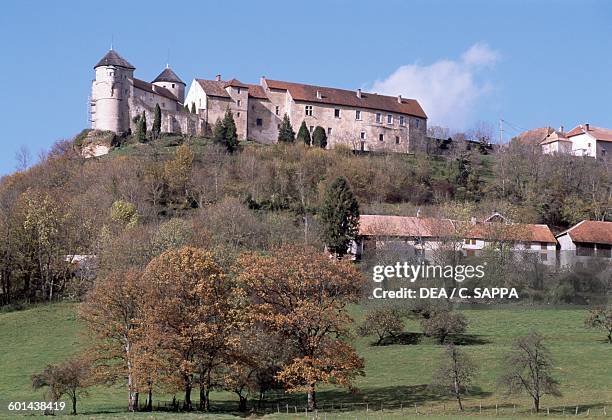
x: 448, y: 90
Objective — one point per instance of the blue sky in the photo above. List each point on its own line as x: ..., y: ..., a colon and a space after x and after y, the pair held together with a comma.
x: 532, y: 63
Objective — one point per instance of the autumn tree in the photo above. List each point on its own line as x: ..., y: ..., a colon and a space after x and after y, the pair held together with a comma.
x: 156, y: 129
x: 601, y: 318
x: 339, y: 216
x: 442, y: 323
x: 319, y: 137
x: 384, y: 321
x: 69, y: 378
x: 177, y: 171
x: 455, y: 373
x: 190, y: 316
x: 110, y: 311
x: 285, y: 132
x: 303, y: 134
x: 528, y: 368
x: 302, y: 295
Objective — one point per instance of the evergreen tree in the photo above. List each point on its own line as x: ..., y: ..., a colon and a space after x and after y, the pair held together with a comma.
x: 186, y: 108
x: 156, y: 129
x: 319, y: 137
x: 193, y: 108
x: 219, y: 132
x: 285, y: 132
x: 231, y: 134
x: 141, y: 128
x: 339, y: 217
x: 304, y: 134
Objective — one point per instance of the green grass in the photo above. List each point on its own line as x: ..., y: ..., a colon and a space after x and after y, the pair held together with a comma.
x: 395, y: 374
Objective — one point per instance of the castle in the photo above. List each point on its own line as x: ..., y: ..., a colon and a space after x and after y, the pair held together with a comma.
x: 360, y: 120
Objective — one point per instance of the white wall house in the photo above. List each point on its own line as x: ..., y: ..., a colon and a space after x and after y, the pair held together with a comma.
x: 428, y: 237
x: 590, y: 141
x: 586, y: 240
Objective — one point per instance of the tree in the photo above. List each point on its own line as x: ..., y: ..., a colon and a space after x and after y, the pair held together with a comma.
x: 455, y: 373
x: 110, y: 311
x: 601, y: 318
x: 302, y: 295
x: 193, y: 108
x: 319, y: 137
x: 225, y: 133
x: 528, y: 368
x: 382, y: 322
x: 304, y: 134
x: 156, y: 129
x: 441, y: 323
x: 186, y: 108
x: 141, y: 128
x: 190, y: 316
x: 67, y: 378
x: 339, y: 217
x: 177, y: 171
x: 285, y: 132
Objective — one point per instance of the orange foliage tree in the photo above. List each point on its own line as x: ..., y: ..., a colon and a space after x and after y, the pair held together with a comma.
x: 191, y: 319
x: 302, y: 295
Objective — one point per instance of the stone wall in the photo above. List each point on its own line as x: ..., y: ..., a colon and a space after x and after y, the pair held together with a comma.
x: 172, y: 121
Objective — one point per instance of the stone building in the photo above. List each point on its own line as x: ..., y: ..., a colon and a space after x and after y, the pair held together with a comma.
x: 362, y: 121
x: 117, y: 97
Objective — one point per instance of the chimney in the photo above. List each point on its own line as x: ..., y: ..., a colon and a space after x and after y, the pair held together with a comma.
x: 319, y: 96
x: 586, y: 127
x: 561, y: 129
x: 399, y: 99
x: 262, y: 80
x: 218, y: 78
x: 359, y: 93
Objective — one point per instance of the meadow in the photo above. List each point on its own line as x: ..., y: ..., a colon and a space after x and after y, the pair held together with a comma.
x: 397, y: 376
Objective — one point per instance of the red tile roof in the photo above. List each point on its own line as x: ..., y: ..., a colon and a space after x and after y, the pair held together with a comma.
x: 534, y: 136
x: 555, y: 136
x: 333, y: 96
x: 601, y: 134
x: 256, y: 91
x: 149, y: 87
x: 213, y: 87
x: 400, y: 226
x: 235, y: 83
x: 590, y: 231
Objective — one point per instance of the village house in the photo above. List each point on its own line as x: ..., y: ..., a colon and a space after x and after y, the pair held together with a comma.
x: 582, y: 242
x: 360, y: 120
x: 583, y: 140
x: 424, y: 237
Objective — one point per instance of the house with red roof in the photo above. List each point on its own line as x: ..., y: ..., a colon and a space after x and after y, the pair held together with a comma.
x: 587, y: 140
x: 360, y: 120
x: 584, y: 241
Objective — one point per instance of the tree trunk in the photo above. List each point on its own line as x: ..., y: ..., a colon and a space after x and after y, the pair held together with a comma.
x: 458, y: 395
x: 187, y: 403
x: 150, y: 399
x: 242, y: 405
x: 312, y: 398
x: 132, y: 400
x: 536, y: 404
x: 74, y: 405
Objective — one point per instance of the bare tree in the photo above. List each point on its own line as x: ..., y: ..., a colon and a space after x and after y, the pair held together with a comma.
x: 23, y: 158
x: 528, y: 368
x: 455, y: 373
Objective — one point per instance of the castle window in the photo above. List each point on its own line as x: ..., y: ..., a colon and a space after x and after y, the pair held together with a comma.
x: 389, y: 119
x: 381, y: 137
x: 362, y: 135
x: 163, y: 104
x: 238, y: 91
x: 237, y: 114
x: 277, y: 110
x: 172, y: 85
x: 397, y: 140
x: 357, y: 114
x: 417, y: 123
x: 329, y: 131
x: 378, y: 117
x: 308, y: 110
x: 259, y: 122
x: 402, y: 120
x: 337, y: 113
x: 238, y: 102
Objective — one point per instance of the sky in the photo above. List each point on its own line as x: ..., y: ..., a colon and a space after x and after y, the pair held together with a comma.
x: 530, y: 63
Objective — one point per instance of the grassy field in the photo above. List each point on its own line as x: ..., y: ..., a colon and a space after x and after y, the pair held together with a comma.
x: 396, y: 375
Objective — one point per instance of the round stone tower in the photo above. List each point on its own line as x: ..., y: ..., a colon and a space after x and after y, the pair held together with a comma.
x: 110, y: 93
x: 169, y: 80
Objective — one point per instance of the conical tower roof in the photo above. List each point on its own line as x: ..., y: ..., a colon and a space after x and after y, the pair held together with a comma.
x: 112, y: 58
x: 168, y: 76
